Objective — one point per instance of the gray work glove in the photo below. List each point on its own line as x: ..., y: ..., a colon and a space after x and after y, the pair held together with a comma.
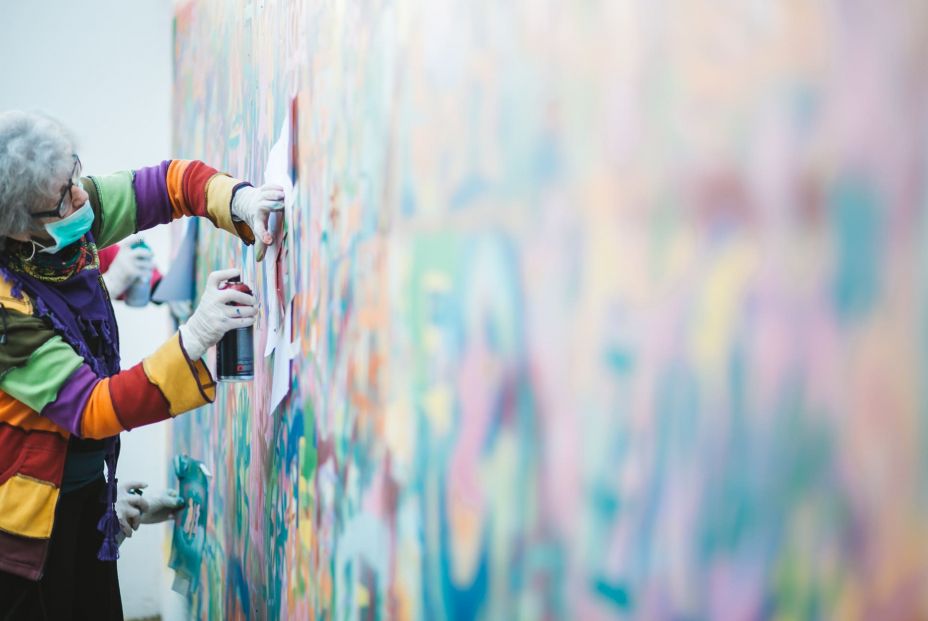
x: 216, y: 314
x: 129, y: 265
x: 130, y: 507
x: 162, y: 506
x: 253, y: 206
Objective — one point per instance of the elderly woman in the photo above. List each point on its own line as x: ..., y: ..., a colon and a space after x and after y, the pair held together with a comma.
x: 63, y: 398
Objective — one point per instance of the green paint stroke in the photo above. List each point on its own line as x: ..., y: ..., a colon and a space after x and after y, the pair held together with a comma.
x: 616, y: 594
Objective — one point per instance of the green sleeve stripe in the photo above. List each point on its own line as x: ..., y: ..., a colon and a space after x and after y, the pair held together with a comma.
x: 115, y: 206
x: 24, y: 335
x: 37, y: 384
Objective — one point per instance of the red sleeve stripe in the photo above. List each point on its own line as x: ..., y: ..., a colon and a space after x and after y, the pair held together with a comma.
x: 196, y: 176
x: 136, y: 400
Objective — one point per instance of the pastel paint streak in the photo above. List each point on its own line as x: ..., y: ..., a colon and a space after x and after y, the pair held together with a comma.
x: 857, y: 225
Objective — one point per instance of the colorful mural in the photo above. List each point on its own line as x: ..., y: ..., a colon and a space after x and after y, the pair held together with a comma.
x: 605, y: 309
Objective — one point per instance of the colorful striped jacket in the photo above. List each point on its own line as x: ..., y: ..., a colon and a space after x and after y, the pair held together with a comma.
x: 47, y: 391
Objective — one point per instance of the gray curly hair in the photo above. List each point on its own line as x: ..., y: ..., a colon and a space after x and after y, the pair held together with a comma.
x: 36, y: 157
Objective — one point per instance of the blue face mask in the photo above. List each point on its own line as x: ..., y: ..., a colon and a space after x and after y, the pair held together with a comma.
x: 68, y: 230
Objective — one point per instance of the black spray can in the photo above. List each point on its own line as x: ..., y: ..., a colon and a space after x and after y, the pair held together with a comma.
x: 235, y: 353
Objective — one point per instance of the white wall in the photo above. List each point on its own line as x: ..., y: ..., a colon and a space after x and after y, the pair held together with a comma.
x: 103, y: 67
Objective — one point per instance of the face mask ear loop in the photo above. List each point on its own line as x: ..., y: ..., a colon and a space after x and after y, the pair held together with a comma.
x: 34, y: 246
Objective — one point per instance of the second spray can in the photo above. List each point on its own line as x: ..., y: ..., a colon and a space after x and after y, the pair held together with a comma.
x: 139, y: 292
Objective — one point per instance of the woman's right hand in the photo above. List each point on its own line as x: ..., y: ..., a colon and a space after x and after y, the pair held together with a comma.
x: 219, y: 311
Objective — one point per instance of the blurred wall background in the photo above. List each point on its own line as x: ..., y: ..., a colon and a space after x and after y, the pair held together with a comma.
x: 605, y: 309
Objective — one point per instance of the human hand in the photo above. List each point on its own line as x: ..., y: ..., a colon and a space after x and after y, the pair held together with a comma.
x: 162, y: 507
x: 130, y: 506
x: 219, y: 311
x: 129, y: 265
x: 254, y: 206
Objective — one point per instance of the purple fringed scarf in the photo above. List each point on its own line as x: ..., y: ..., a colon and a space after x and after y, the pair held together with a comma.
x: 80, y: 311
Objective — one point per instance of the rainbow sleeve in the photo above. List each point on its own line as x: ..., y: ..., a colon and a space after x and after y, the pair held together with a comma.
x: 131, y: 201
x: 57, y: 384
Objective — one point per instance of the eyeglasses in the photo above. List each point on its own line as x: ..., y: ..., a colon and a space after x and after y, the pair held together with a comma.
x: 65, y: 192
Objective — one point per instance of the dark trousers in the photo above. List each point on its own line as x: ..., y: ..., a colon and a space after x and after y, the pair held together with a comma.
x: 76, y: 585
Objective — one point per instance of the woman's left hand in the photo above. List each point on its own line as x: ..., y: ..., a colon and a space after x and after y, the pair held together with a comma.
x: 254, y: 206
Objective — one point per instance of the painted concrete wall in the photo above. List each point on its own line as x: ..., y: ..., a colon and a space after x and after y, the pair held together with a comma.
x: 606, y: 309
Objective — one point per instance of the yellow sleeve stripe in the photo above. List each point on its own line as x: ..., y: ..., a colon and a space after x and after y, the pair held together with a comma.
x: 185, y: 384
x: 219, y: 202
